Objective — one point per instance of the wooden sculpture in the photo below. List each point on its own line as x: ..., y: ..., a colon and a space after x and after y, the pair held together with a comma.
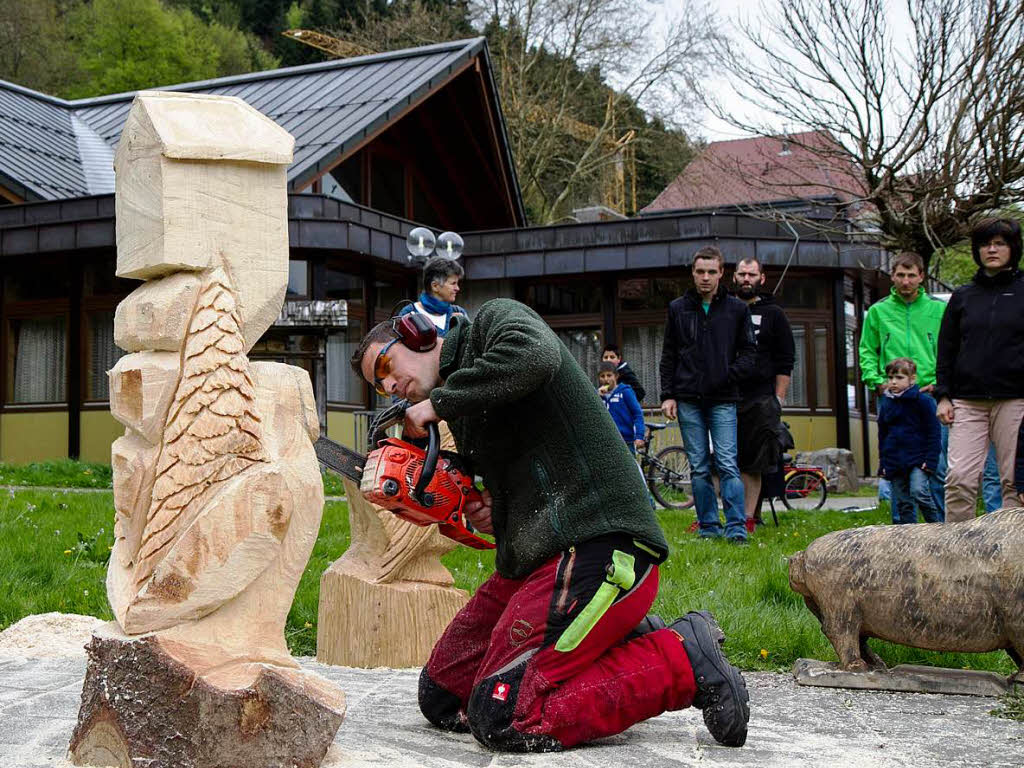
x: 385, y: 602
x: 217, y: 491
x: 948, y: 587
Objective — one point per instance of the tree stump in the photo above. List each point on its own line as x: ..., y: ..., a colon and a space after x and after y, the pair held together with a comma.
x: 142, y: 706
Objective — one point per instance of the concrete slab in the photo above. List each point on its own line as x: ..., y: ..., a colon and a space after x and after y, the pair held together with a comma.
x: 791, y: 726
x: 911, y: 678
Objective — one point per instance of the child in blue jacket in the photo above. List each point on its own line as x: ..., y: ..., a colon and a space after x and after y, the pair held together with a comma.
x: 623, y: 406
x: 909, y: 439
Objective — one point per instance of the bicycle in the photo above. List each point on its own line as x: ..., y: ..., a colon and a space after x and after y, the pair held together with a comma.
x: 667, y: 473
x: 805, y: 487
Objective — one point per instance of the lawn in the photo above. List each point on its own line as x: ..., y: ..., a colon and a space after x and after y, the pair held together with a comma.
x: 54, y: 546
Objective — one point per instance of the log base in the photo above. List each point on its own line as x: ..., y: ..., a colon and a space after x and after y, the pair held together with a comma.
x: 141, y: 706
x: 366, y: 624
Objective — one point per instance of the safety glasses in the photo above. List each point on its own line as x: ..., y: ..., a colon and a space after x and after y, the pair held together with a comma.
x: 382, y: 367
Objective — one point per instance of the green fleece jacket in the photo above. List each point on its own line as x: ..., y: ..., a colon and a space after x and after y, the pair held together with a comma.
x: 530, y: 423
x: 893, y: 328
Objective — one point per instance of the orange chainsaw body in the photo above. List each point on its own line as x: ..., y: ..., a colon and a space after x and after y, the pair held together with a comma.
x: 389, y: 479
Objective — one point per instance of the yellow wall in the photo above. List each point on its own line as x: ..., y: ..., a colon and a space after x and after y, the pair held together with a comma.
x: 99, y: 430
x: 341, y: 428
x: 811, y: 432
x: 35, y: 436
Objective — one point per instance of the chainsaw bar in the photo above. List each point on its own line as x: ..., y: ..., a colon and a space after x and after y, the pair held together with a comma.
x: 338, y: 458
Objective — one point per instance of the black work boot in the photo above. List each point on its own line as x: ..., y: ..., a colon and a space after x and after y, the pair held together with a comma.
x: 721, y: 690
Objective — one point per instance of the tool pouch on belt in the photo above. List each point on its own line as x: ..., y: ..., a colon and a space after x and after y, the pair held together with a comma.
x: 620, y: 575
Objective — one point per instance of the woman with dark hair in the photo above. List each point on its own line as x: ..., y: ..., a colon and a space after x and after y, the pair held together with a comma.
x: 441, y: 276
x: 980, y: 367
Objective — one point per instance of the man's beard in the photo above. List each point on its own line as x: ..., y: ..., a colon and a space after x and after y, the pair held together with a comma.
x: 746, y: 292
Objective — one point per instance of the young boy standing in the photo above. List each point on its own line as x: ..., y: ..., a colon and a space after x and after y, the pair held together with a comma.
x: 908, y: 433
x: 622, y: 405
x: 610, y: 354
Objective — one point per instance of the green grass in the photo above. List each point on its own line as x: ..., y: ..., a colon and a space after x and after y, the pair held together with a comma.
x: 63, y: 473
x: 54, y: 546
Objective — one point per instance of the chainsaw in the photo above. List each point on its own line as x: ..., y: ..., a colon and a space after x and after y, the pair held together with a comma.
x: 425, y: 487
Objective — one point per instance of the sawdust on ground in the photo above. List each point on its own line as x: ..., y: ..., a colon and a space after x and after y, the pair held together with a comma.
x: 48, y: 635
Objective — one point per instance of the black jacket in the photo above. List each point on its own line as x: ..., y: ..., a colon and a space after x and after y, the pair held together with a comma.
x: 981, y: 340
x: 908, y: 433
x: 705, y: 356
x: 776, y: 350
x: 627, y: 377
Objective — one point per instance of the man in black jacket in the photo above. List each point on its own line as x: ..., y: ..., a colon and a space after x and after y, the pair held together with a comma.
x: 760, y: 411
x: 709, y: 349
x: 980, y: 367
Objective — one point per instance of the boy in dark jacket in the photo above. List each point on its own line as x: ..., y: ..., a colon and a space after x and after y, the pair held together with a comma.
x: 909, y: 437
x: 622, y: 405
x: 610, y: 354
x: 542, y: 656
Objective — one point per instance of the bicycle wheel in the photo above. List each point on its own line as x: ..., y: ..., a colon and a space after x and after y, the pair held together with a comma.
x: 805, y: 490
x: 668, y: 477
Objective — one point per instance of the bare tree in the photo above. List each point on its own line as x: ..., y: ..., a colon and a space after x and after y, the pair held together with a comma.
x: 927, y: 123
x: 551, y: 56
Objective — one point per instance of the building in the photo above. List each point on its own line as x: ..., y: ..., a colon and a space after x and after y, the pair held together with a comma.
x: 383, y: 142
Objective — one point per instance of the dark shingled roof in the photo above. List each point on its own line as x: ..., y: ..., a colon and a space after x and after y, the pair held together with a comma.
x: 51, y: 148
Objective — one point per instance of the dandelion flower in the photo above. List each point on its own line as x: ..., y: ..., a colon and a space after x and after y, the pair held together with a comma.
x: 764, y: 653
x: 67, y: 551
x: 308, y: 625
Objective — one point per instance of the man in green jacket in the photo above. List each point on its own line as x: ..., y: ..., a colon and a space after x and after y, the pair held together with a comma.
x: 905, y: 324
x: 555, y: 648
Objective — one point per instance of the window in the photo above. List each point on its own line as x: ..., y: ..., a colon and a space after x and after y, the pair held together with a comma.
x: 343, y: 385
x: 36, y: 364
x: 805, y: 293
x: 585, y: 345
x: 641, y: 348
x: 650, y: 294
x: 298, y: 280
x: 387, y: 185
x: 343, y: 285
x: 576, y: 297
x: 822, y: 370
x: 796, y: 397
x: 101, y: 355
x: 345, y: 182
x: 423, y: 210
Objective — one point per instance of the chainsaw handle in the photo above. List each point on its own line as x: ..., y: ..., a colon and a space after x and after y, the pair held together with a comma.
x: 429, y: 462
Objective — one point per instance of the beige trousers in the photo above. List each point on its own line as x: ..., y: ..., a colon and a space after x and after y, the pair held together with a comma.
x: 975, y: 422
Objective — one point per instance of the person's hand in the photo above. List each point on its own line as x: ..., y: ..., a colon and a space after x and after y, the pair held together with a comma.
x: 926, y: 469
x: 945, y: 411
x: 1020, y: 496
x: 603, y: 389
x: 881, y: 472
x: 638, y: 443
x: 669, y: 408
x: 418, y: 416
x: 479, y: 512
x: 927, y: 388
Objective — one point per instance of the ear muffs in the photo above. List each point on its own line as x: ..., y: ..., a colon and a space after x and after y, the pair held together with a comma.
x: 416, y: 331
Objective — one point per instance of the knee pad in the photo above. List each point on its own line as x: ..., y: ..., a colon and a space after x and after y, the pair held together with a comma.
x: 491, y: 709
x: 442, y: 708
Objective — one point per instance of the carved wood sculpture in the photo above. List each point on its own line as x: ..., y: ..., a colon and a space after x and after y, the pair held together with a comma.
x: 217, y: 491
x: 385, y: 602
x: 948, y: 587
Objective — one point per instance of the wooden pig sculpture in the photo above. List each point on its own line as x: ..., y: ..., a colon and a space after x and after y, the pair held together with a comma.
x: 950, y: 587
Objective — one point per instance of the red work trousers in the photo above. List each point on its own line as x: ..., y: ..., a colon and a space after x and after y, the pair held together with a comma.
x: 519, y: 670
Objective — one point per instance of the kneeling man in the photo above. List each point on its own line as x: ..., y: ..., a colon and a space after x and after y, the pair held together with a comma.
x: 555, y: 648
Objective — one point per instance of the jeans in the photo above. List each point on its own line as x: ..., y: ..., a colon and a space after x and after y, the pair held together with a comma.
x: 910, y: 489
x: 695, y: 421
x: 991, y: 491
x: 937, y: 479
x: 884, y: 490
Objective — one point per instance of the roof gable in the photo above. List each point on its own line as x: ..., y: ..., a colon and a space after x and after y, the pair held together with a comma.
x: 330, y: 108
x: 757, y: 171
